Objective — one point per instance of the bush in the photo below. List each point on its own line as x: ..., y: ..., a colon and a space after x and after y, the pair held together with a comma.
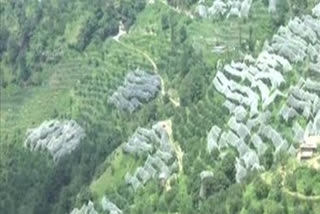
x: 291, y: 182
x: 279, y: 18
x: 261, y: 189
x: 308, y: 189
x: 4, y: 36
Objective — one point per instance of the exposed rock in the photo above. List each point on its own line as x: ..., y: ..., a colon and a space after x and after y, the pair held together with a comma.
x: 235, y: 9
x: 202, y: 11
x: 161, y: 160
x: 221, y: 8
x: 287, y: 113
x: 212, y: 138
x: 258, y: 144
x: 245, y: 8
x: 316, y: 10
x: 107, y: 205
x: 85, y: 209
x: 272, y: 6
x: 204, y: 175
x: 240, y: 81
x: 59, y: 138
x: 218, y: 8
x: 139, y: 87
x: 241, y: 172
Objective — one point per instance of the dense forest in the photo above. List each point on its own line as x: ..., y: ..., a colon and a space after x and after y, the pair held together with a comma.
x: 62, y: 60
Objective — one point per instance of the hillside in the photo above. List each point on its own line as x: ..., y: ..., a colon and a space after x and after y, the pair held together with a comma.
x: 160, y: 106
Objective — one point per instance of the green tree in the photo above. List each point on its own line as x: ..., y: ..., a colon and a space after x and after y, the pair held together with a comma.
x: 162, y: 206
x: 192, y: 86
x: 228, y: 166
x: 24, y: 70
x: 302, y: 209
x: 6, y: 203
x: 265, y: 2
x: 4, y: 36
x: 139, y: 5
x: 268, y: 158
x: 234, y: 204
x: 252, y: 41
x: 13, y: 50
x: 261, y: 189
x: 291, y: 182
x: 183, y: 34
x: 255, y: 208
x: 280, y: 16
x: 191, y: 89
x: 308, y: 189
x: 165, y: 22
x: 273, y: 207
x: 218, y: 183
x: 298, y: 6
x: 213, y: 205
x: 276, y: 187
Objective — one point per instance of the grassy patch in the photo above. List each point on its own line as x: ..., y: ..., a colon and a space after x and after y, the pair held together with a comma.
x: 118, y: 165
x: 30, y: 106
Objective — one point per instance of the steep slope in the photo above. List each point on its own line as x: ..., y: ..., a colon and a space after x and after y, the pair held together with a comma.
x: 64, y: 61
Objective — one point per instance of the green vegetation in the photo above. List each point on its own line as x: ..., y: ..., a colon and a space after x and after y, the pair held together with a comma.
x: 58, y: 60
x: 114, y: 175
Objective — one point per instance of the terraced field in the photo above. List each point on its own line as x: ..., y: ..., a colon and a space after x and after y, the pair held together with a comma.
x: 198, y: 117
x: 190, y: 54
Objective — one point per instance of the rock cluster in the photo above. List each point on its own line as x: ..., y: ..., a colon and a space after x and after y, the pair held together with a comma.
x: 251, y: 87
x: 85, y: 209
x: 139, y: 87
x: 316, y: 10
x: 303, y: 100
x: 225, y: 8
x: 161, y: 160
x: 272, y: 6
x: 313, y: 127
x: 58, y: 138
x: 110, y: 207
x: 204, y: 176
x: 298, y: 40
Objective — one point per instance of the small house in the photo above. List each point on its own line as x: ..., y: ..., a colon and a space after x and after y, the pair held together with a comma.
x: 307, y: 149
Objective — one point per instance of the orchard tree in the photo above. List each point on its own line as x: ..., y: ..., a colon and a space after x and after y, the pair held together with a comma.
x: 4, y: 36
x: 279, y: 18
x: 268, y: 158
x: 261, y: 189
x: 291, y: 182
x: 183, y: 34
x: 228, y: 166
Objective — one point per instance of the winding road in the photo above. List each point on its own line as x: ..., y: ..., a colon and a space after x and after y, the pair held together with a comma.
x: 301, y: 196
x: 147, y: 56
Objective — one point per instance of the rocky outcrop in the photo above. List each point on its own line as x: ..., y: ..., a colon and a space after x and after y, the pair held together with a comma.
x: 161, y: 160
x: 204, y: 176
x: 228, y: 8
x: 58, y: 138
x: 316, y: 10
x: 272, y: 6
x: 110, y: 207
x: 139, y: 87
x: 85, y: 209
x: 251, y: 88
